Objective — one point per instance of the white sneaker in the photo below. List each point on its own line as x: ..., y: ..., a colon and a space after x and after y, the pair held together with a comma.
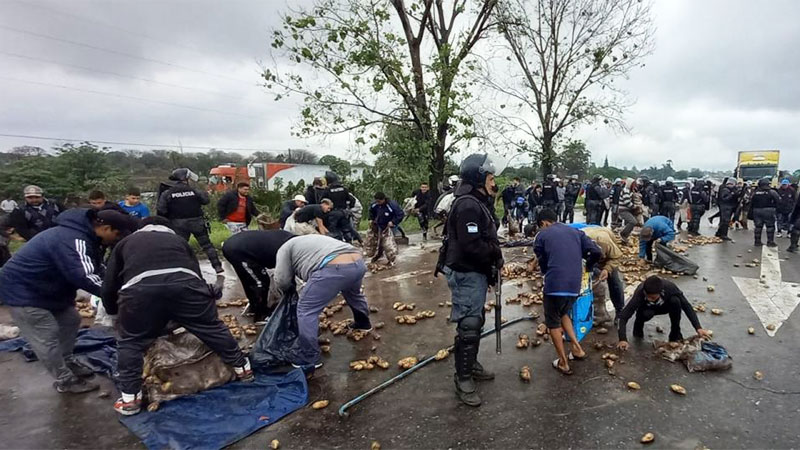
x: 780, y: 234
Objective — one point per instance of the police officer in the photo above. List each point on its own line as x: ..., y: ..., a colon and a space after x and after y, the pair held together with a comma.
x: 668, y: 197
x: 594, y: 200
x: 795, y: 221
x: 728, y: 201
x: 571, y: 192
x: 763, y: 208
x: 470, y: 259
x: 183, y: 206
x: 549, y: 193
x: 338, y: 223
x: 36, y: 214
x: 649, y: 196
x: 698, y: 199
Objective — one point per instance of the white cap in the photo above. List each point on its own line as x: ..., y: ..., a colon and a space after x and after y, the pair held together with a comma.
x: 300, y: 198
x: 670, y: 179
x: 33, y: 191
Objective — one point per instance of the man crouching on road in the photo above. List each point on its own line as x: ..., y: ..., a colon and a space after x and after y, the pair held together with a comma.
x: 40, y: 281
x: 328, y: 266
x: 559, y: 250
x: 469, y: 259
x: 654, y: 297
x: 153, y: 277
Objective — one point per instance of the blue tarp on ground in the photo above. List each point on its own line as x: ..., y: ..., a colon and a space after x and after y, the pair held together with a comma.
x: 210, y: 419
x: 221, y: 416
x: 94, y: 347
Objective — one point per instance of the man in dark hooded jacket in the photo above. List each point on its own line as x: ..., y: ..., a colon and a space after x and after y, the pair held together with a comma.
x: 338, y: 223
x: 40, y: 281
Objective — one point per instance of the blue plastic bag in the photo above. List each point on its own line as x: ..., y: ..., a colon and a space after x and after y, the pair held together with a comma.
x: 711, y: 356
x: 582, y: 312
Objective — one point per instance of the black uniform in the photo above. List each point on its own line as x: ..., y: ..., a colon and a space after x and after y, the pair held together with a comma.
x: 251, y: 253
x: 29, y: 220
x: 668, y: 198
x: 422, y: 202
x: 183, y: 206
x: 549, y: 195
x: 650, y: 198
x: 594, y: 203
x: 672, y: 302
x: 314, y: 194
x: 469, y: 254
x: 763, y: 208
x: 728, y: 202
x: 154, y: 277
x: 795, y: 220
x: 571, y: 193
x: 339, y: 224
x: 697, y: 203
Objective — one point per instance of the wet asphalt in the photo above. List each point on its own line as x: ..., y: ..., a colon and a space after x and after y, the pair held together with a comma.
x: 589, y: 409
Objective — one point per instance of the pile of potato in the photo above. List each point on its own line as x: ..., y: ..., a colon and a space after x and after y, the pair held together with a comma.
x: 408, y: 319
x: 85, y: 309
x: 240, y: 302
x: 369, y: 364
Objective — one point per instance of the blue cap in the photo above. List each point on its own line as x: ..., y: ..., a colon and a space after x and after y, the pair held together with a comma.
x: 785, y: 181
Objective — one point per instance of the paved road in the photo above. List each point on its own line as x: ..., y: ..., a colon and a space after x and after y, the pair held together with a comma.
x: 589, y: 409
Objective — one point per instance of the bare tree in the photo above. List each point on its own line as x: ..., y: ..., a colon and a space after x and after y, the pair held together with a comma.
x: 567, y: 54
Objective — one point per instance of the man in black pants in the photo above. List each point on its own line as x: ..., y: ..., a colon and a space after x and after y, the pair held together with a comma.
x: 668, y: 197
x: 338, y: 222
x: 153, y: 277
x: 728, y: 201
x: 571, y: 193
x: 251, y: 253
x: 183, y: 206
x: 422, y: 204
x: 794, y: 219
x: 595, y: 195
x: 697, y: 201
x: 652, y: 298
x: 764, y: 210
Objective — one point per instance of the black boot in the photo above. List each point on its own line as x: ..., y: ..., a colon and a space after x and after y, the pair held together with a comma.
x: 465, y: 358
x: 793, y: 240
x: 479, y: 373
x: 771, y: 239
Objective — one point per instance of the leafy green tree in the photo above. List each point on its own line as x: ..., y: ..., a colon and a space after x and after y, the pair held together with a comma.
x: 378, y: 63
x: 340, y: 166
x: 575, y: 159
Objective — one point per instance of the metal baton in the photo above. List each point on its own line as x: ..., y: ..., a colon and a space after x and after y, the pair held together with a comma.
x: 498, y: 308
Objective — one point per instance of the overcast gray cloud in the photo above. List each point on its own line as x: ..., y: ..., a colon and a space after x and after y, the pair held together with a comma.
x: 723, y: 78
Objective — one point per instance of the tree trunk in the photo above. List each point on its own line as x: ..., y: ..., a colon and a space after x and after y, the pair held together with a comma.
x: 437, y: 165
x: 548, y: 154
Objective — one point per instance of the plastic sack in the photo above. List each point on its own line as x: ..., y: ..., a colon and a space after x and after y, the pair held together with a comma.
x: 711, y: 356
x: 101, y: 317
x: 582, y: 312
x: 668, y: 259
x: 274, y: 346
x: 181, y: 364
x: 371, y: 242
x: 388, y: 245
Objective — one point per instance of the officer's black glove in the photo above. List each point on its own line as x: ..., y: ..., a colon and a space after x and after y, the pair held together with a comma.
x: 215, y: 290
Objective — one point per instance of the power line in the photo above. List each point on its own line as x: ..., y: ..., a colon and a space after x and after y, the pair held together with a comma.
x: 128, y: 97
x: 132, y: 77
x: 139, y: 144
x: 117, y: 52
x: 111, y: 26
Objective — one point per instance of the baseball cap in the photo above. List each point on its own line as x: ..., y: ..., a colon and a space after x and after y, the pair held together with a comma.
x: 300, y: 198
x: 125, y: 223
x: 785, y: 181
x: 33, y: 191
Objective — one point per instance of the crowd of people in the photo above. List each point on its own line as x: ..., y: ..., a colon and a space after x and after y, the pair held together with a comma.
x: 146, y: 274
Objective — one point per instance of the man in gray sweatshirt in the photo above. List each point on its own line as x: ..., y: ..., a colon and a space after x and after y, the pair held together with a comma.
x: 327, y: 266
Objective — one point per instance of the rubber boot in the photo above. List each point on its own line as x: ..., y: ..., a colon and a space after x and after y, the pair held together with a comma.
x: 771, y: 239
x: 793, y: 240
x: 466, y: 389
x: 479, y: 373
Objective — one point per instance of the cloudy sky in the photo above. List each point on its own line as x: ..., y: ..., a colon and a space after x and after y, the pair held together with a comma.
x: 724, y: 77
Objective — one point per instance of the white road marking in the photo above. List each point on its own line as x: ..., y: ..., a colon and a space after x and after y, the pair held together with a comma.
x: 773, y: 300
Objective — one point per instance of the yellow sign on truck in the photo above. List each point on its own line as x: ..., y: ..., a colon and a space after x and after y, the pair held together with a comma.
x: 755, y: 165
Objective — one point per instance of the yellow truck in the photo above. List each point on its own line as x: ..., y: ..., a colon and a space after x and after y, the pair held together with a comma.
x: 754, y: 165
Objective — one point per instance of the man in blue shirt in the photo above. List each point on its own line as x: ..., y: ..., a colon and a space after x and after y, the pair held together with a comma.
x: 656, y: 228
x: 559, y: 251
x: 133, y: 205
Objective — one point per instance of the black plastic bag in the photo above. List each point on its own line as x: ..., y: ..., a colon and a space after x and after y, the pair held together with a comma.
x: 274, y: 346
x: 711, y: 356
x: 668, y: 259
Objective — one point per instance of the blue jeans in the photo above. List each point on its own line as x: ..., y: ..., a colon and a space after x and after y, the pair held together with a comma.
x: 468, y: 293
x: 323, y: 286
